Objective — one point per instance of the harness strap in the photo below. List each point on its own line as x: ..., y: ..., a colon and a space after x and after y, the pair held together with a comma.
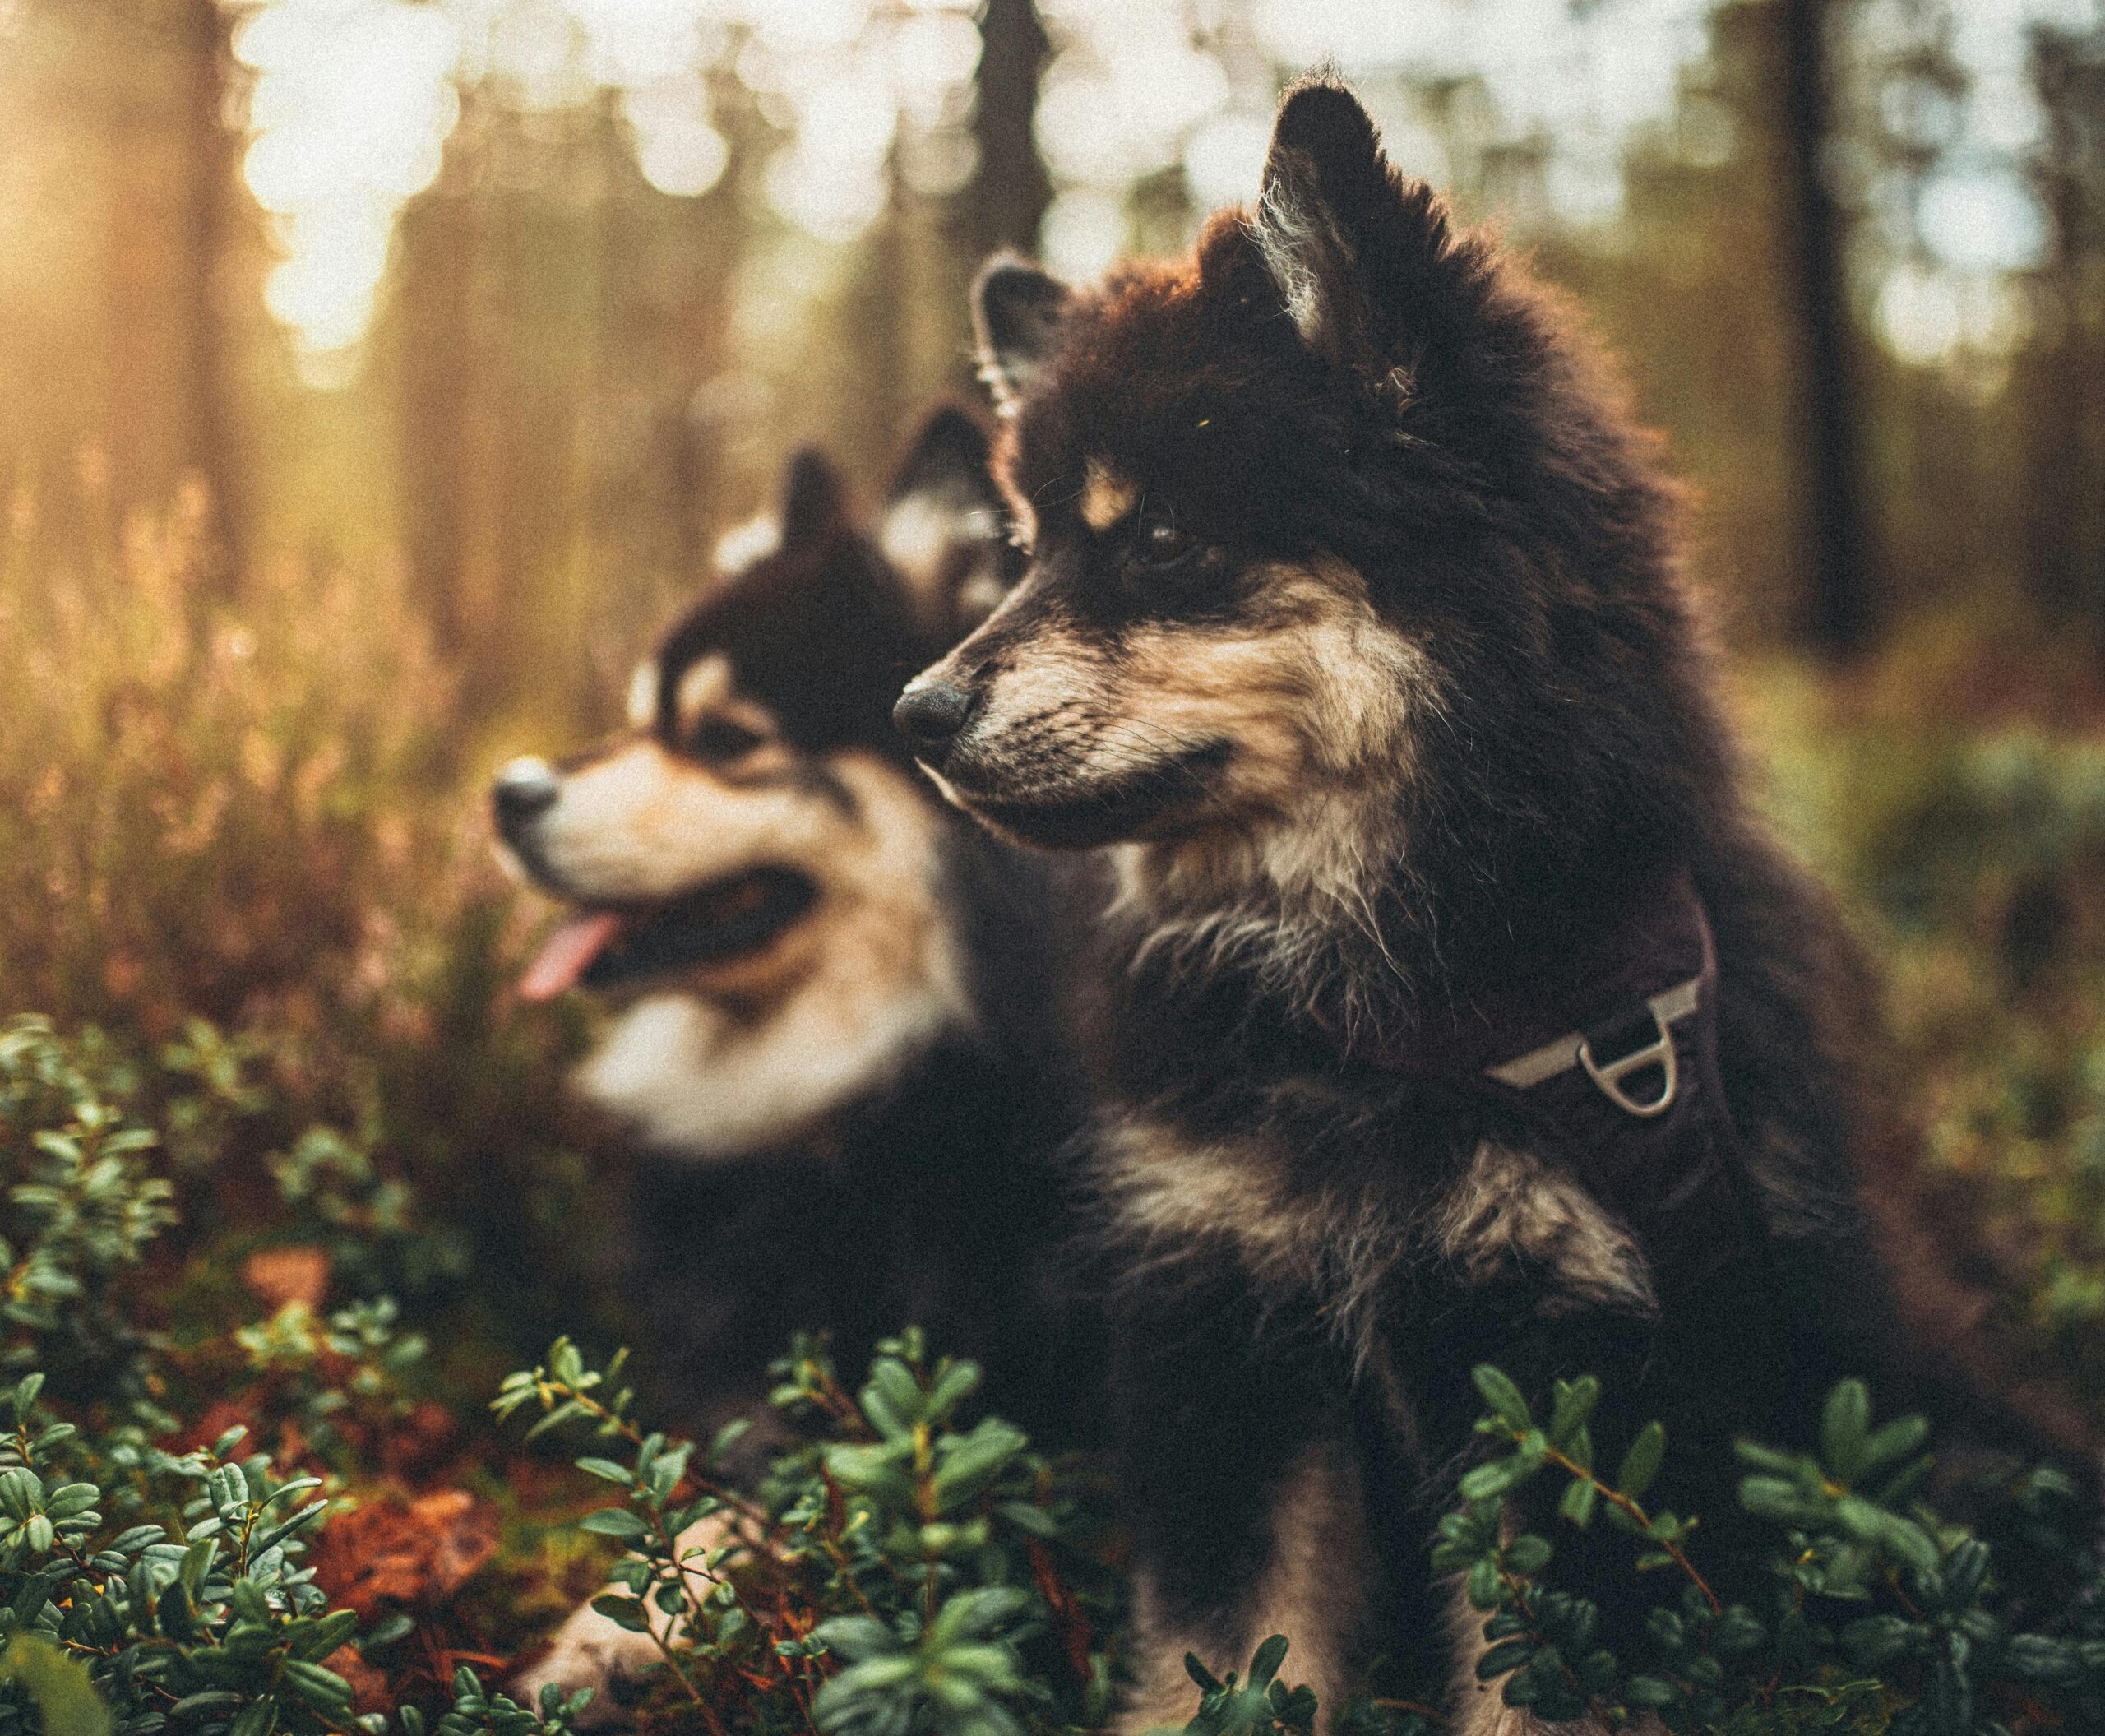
x: 1614, y: 1070
x: 1574, y: 1049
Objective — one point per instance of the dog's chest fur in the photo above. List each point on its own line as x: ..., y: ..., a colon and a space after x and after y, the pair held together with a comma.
x: 1329, y: 1201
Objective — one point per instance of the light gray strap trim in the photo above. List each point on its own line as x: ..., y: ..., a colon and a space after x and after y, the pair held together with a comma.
x: 1562, y: 1054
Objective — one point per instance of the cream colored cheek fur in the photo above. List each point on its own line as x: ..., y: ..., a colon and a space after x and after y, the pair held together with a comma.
x: 639, y: 825
x: 885, y: 980
x: 1319, y: 711
x: 1324, y: 694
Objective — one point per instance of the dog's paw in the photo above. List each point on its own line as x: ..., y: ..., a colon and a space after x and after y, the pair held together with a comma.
x: 589, y: 1651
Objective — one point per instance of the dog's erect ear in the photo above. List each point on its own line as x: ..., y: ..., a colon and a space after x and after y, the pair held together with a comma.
x: 1346, y: 241
x: 949, y: 456
x: 1015, y: 314
x: 814, y: 500
x: 945, y: 531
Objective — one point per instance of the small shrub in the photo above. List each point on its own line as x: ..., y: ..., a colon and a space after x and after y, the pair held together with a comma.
x: 1876, y: 1610
x: 895, y: 1571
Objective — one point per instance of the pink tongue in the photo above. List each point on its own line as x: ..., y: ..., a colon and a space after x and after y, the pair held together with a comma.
x: 566, y: 954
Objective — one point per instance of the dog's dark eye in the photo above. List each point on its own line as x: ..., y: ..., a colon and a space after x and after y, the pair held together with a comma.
x: 723, y: 738
x: 1160, y: 545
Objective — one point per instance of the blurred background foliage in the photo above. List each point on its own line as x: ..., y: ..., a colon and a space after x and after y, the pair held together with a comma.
x: 379, y: 373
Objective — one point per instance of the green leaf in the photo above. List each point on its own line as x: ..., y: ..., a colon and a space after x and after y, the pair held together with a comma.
x: 172, y: 1611
x: 1771, y: 1497
x: 974, y: 1458
x: 1898, y: 1440
x: 390, y: 1628
x: 625, y: 1613
x: 893, y: 1400
x: 1874, y: 1640
x: 956, y: 1382
x: 1575, y: 1403
x: 1508, y: 1654
x: 34, y: 1593
x: 1650, y: 1692
x: 1495, y: 1478
x: 614, y: 1521
x: 1505, y: 1399
x: 1577, y: 1505
x: 1737, y: 1633
x: 212, y: 1700
x: 197, y: 1563
x: 336, y: 1628
x: 972, y: 1614
x: 229, y: 1489
x: 607, y: 1471
x: 322, y: 1689
x: 728, y: 1436
x: 1641, y: 1464
x: 1484, y: 1586
x: 1265, y: 1663
x: 1025, y: 1517
x: 250, y: 1603
x: 1844, y: 1426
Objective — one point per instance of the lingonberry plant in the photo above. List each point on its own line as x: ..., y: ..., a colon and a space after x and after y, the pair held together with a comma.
x: 896, y: 1571
x: 898, y: 1565
x: 1873, y: 1605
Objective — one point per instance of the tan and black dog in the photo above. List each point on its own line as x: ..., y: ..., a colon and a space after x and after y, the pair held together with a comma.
x: 834, y: 1010
x: 1463, y: 1012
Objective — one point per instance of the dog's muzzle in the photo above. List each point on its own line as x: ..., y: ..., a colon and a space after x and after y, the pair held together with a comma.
x: 931, y: 715
x: 524, y: 791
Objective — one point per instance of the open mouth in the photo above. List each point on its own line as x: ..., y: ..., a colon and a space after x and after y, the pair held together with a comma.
x: 723, y: 920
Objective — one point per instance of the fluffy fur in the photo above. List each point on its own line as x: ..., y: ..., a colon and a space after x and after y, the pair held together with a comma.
x: 1352, y: 629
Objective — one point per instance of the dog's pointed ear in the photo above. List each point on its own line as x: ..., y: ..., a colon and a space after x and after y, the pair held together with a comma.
x: 949, y: 456
x: 1341, y: 234
x: 945, y: 532
x: 1016, y: 309
x: 814, y: 500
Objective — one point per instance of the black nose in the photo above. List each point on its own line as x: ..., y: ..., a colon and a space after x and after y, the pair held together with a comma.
x: 930, y: 715
x: 523, y: 789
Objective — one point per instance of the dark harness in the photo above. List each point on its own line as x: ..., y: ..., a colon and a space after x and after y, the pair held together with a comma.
x: 1612, y: 1068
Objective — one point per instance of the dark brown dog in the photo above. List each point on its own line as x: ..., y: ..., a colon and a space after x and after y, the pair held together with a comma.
x: 1463, y: 1012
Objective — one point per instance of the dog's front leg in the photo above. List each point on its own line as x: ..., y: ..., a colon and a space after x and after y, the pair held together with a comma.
x: 1248, y: 1514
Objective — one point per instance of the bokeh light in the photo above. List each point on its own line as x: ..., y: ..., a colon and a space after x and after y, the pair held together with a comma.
x: 351, y: 107
x: 353, y: 101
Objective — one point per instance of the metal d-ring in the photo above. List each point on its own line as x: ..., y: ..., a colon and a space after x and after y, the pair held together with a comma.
x: 1609, y: 1078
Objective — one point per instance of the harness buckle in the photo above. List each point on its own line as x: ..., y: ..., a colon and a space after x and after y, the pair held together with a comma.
x: 1609, y: 1075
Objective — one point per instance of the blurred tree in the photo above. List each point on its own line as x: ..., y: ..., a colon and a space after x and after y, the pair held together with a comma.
x: 2063, y: 381
x: 437, y: 378
x: 1692, y: 288
x: 129, y: 62
x: 1008, y: 196
x: 214, y: 448
x: 1841, y: 598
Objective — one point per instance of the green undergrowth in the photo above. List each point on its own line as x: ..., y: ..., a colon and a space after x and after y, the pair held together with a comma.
x: 210, y: 1522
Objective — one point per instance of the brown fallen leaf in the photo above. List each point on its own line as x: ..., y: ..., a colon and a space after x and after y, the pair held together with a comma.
x: 280, y: 1276
x: 412, y: 1553
x: 370, y: 1692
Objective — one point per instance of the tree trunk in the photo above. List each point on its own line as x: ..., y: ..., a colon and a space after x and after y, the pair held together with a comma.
x: 2060, y: 516
x: 1010, y: 192
x: 1840, y: 602
x: 213, y: 449
x: 438, y: 387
